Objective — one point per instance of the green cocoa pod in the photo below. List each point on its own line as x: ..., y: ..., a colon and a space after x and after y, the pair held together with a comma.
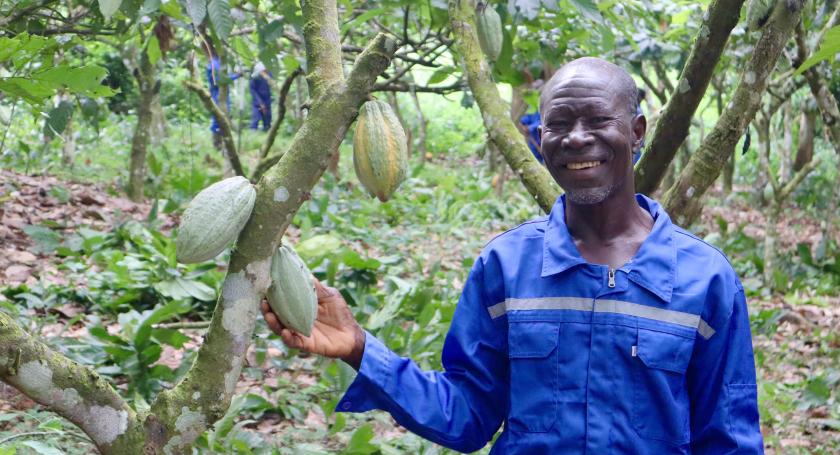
x: 213, y: 219
x: 292, y: 292
x: 489, y: 28
x: 380, y: 152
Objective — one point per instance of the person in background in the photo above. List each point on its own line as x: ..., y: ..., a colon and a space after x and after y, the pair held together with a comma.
x: 260, y: 97
x: 214, y: 70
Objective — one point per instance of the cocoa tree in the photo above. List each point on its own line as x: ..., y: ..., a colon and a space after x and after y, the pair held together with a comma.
x: 180, y: 414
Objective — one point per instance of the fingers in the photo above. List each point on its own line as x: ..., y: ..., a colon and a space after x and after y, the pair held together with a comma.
x: 323, y: 291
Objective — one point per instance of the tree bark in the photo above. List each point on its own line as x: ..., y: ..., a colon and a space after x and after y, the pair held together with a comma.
x: 762, y: 128
x: 179, y: 415
x: 146, y: 75
x: 683, y: 199
x: 805, y: 146
x: 421, y: 126
x: 281, y: 113
x: 494, y: 111
x: 672, y: 127
x: 785, y: 161
x: 225, y: 127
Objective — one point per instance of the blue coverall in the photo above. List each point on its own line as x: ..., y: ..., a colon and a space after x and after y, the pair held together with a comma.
x: 213, y: 71
x: 576, y: 358
x: 260, y: 97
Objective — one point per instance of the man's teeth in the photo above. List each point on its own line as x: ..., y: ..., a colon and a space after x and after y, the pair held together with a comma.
x: 585, y: 165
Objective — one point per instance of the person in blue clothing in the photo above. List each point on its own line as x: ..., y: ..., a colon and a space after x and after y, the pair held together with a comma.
x: 214, y: 74
x: 602, y: 328
x: 260, y: 97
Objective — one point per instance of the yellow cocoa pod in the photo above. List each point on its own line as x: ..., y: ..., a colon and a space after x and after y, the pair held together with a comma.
x: 292, y: 292
x: 380, y: 152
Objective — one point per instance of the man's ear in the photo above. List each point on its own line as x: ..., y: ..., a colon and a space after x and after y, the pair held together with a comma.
x: 639, y: 129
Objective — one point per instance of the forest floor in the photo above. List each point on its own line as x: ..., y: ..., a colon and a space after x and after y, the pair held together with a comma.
x: 796, y: 347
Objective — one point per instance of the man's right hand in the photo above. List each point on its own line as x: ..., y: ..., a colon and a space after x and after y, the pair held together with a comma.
x: 335, y: 333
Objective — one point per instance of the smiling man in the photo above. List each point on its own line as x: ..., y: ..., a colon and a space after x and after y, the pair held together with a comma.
x: 602, y: 328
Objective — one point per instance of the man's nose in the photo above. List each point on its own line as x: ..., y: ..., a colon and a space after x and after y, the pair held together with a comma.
x: 578, y: 138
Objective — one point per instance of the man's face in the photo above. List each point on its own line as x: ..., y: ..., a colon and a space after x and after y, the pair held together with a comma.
x: 588, y: 135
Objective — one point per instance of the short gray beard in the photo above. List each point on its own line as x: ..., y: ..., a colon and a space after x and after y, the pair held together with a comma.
x: 590, y: 196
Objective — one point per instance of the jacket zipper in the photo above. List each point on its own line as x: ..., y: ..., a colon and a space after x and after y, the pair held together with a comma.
x: 611, y: 278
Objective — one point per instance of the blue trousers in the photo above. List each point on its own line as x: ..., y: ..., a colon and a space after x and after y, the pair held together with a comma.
x: 257, y: 116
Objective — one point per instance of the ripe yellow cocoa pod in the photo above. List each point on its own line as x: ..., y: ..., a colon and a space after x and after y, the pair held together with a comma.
x: 292, y: 292
x: 380, y: 152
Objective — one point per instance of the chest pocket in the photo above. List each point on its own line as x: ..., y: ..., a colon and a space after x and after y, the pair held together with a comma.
x: 534, y: 369
x: 661, y: 407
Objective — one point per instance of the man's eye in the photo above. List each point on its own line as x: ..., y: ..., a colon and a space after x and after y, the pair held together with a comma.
x: 601, y: 119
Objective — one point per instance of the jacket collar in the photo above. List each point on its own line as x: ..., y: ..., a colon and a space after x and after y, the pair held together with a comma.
x: 653, y: 267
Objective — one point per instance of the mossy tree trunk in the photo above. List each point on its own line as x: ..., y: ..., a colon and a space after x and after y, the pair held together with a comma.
x: 672, y: 127
x: 179, y: 415
x: 494, y: 111
x: 146, y: 75
x: 683, y: 199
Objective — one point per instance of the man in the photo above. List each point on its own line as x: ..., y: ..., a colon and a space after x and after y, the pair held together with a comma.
x: 600, y: 329
x: 260, y: 97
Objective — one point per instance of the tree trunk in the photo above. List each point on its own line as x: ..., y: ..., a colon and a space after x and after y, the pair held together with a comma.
x: 786, y: 153
x: 145, y: 74
x: 68, y: 147
x: 729, y: 174
x: 421, y: 126
x: 762, y: 127
x: 683, y: 199
x: 179, y: 415
x: 770, y: 236
x: 807, y: 127
x: 675, y: 120
x: 496, y: 113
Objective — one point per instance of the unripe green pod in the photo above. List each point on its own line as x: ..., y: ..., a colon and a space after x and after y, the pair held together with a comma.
x: 292, y: 292
x: 489, y: 28
x: 213, y: 219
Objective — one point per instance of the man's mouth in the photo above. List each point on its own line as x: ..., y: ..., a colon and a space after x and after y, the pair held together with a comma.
x: 584, y: 165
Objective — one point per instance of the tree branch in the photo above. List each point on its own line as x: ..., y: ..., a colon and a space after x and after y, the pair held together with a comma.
x: 402, y: 86
x: 204, y: 394
x: 225, y: 128
x: 76, y: 392
x: 797, y: 178
x: 323, y: 46
x: 660, y: 95
x: 675, y: 119
x: 281, y: 114
x: 825, y: 100
x: 682, y: 200
x: 494, y: 111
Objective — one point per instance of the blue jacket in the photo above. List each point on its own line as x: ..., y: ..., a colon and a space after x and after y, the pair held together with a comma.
x: 260, y: 92
x: 653, y: 358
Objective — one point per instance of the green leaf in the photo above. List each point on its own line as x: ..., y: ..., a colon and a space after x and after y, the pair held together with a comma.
x: 360, y: 442
x: 41, y: 448
x: 440, y: 75
x: 45, y: 239
x: 84, y: 80
x: 197, y: 10
x: 219, y: 12
x: 109, y: 7
x: 318, y: 246
x: 829, y: 47
x: 153, y: 50
x: 58, y: 118
x: 588, y: 10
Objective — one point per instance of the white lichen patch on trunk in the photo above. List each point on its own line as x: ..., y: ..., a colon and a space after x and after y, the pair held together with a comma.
x: 189, y: 425
x: 232, y: 376
x: 106, y: 423
x: 281, y: 194
x: 749, y: 77
x: 240, y: 305
x: 684, y: 85
x: 102, y: 423
x: 196, y: 395
x: 258, y: 272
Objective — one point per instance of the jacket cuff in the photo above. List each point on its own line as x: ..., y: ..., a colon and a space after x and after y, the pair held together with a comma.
x: 372, y: 379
